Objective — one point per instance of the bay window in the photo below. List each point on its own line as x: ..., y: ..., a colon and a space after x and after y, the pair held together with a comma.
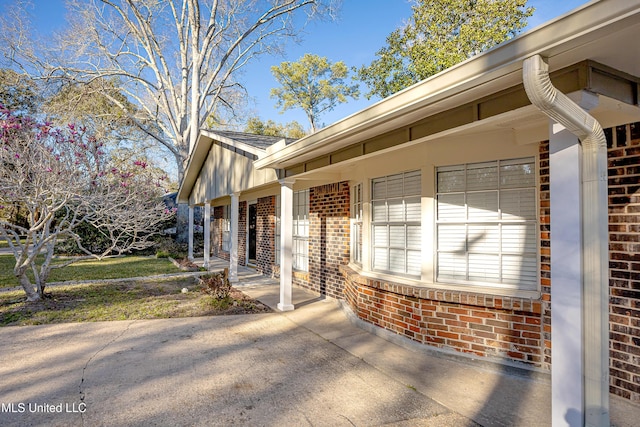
x: 396, y: 232
x: 486, y: 224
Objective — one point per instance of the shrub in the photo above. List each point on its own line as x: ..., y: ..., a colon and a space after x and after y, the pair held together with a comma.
x: 217, y: 285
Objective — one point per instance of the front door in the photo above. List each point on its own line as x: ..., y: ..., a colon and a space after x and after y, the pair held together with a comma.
x: 253, y: 219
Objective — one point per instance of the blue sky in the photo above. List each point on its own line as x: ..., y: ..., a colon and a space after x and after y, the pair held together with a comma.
x: 360, y: 30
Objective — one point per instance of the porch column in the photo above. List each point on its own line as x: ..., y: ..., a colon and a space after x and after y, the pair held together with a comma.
x: 207, y: 233
x: 190, y: 252
x: 567, y: 367
x: 233, y: 256
x: 286, y: 245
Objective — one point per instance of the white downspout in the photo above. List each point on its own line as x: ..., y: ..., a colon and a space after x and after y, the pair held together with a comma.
x: 595, y: 250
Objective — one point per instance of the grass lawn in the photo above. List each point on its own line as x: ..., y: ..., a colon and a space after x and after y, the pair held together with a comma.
x: 109, y: 268
x: 129, y: 300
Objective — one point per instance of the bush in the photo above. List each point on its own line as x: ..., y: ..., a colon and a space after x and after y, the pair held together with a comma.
x: 168, y: 247
x: 217, y: 285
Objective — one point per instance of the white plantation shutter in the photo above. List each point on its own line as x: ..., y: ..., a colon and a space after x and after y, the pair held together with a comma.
x: 356, y: 224
x: 396, y: 233
x: 278, y: 233
x: 300, y: 255
x: 226, y: 228
x: 486, y: 223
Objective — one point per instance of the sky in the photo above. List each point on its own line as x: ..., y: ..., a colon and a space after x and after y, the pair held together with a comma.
x: 359, y: 31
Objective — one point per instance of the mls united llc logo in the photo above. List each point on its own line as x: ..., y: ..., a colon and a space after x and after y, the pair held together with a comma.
x: 47, y: 408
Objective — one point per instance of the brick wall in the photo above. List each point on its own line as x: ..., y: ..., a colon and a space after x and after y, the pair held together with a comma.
x: 624, y: 265
x: 544, y: 218
x: 242, y: 233
x: 329, y: 211
x: 216, y: 233
x: 483, y: 325
x: 265, y: 235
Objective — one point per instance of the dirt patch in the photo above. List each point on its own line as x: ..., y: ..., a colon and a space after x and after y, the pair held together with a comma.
x: 128, y: 300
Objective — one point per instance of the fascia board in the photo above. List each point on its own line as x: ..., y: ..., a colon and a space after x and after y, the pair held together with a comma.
x: 233, y: 143
x: 192, y: 171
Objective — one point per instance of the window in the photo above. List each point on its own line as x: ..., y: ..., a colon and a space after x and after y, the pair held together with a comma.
x: 226, y: 228
x: 356, y: 224
x: 277, y: 233
x: 395, y: 223
x: 300, y: 251
x: 486, y: 224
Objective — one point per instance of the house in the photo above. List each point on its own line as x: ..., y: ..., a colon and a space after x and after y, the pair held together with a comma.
x: 470, y: 212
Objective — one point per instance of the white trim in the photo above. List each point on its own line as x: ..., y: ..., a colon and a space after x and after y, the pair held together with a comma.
x: 233, y: 255
x: 191, y: 226
x: 286, y: 245
x: 207, y: 233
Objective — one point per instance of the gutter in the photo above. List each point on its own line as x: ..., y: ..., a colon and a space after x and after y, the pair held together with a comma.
x: 595, y: 250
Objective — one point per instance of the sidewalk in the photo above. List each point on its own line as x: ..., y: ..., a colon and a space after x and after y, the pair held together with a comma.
x: 487, y: 393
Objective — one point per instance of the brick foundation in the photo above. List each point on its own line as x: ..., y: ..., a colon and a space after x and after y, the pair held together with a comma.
x: 483, y: 325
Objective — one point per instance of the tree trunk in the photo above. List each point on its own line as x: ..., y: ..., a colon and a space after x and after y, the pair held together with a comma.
x: 182, y: 223
x: 32, y: 294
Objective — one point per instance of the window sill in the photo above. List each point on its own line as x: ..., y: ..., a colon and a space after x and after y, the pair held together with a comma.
x: 523, y: 301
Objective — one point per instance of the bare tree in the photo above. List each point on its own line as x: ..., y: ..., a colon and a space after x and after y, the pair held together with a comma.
x: 175, y: 60
x: 63, y: 180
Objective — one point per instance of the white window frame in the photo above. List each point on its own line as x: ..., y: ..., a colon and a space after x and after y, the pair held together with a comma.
x: 277, y: 232
x: 357, y: 203
x: 476, y: 220
x: 226, y: 228
x: 396, y: 224
x: 301, y: 224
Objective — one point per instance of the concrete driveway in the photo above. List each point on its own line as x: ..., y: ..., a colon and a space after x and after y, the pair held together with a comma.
x: 233, y: 370
x: 312, y: 366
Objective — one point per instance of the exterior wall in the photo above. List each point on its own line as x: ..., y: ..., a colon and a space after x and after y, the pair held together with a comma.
x: 265, y: 235
x: 483, y: 325
x: 544, y: 219
x: 225, y: 172
x: 329, y: 211
x: 216, y: 233
x: 624, y: 267
x: 242, y: 233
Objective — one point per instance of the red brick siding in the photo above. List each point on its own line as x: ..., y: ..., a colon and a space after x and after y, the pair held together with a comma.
x: 216, y: 233
x: 242, y: 234
x: 329, y: 211
x: 265, y: 235
x: 624, y: 260
x: 545, y: 248
x: 483, y: 325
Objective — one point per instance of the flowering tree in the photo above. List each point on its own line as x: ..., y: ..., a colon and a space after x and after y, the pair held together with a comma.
x: 62, y: 179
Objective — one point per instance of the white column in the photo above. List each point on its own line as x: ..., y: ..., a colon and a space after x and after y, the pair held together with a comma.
x: 190, y: 252
x: 286, y: 245
x: 233, y: 258
x: 567, y: 367
x: 207, y: 233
